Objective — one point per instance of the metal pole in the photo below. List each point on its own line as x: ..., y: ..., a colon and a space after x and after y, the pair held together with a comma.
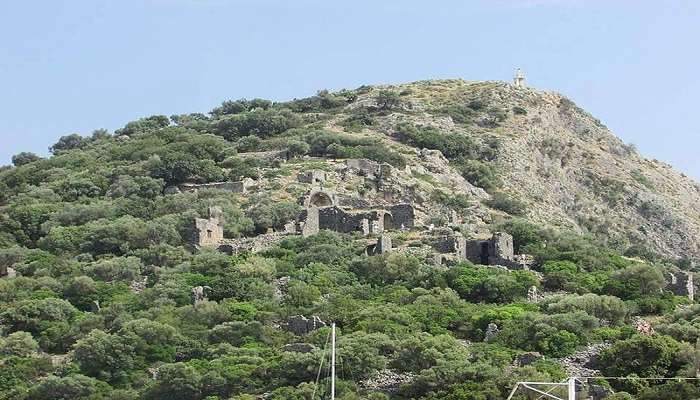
x: 572, y: 388
x: 333, y: 361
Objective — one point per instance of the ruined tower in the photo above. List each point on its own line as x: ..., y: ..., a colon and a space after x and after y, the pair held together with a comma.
x: 209, y: 232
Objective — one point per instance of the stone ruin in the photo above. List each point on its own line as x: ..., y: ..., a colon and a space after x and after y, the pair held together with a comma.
x: 496, y: 250
x: 274, y: 157
x: 231, y: 187
x: 199, y: 294
x: 491, y: 332
x: 323, y: 212
x: 301, y: 325
x: 209, y: 232
x: 680, y: 283
x: 382, y: 246
x: 314, y: 177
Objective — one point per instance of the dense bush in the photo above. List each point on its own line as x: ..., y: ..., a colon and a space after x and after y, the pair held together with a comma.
x: 506, y: 203
x: 452, y: 146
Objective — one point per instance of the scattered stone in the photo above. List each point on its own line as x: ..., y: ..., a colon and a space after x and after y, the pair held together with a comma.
x: 643, y: 326
x: 299, y: 347
x: 281, y: 285
x: 387, y: 381
x: 300, y: 325
x: 528, y: 358
x: 138, y: 285
x: 199, y: 294
x: 582, y: 363
x: 491, y: 332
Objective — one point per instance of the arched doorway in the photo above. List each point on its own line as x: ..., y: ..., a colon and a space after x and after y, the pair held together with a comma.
x: 484, y: 253
x: 320, y: 199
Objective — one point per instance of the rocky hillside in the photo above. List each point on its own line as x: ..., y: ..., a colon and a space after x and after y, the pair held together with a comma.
x: 462, y: 237
x: 565, y: 166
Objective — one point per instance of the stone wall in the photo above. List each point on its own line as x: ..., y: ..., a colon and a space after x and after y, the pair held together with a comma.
x: 336, y: 219
x: 253, y: 244
x: 364, y: 167
x: 274, y: 156
x: 233, y: 187
x: 501, y: 247
x: 309, y: 221
x: 498, y: 250
x: 314, y: 177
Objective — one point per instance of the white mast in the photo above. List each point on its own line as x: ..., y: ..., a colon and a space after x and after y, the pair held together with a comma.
x: 333, y: 361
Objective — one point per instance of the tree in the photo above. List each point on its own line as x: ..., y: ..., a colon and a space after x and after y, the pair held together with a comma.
x: 20, y: 344
x: 68, y: 142
x: 272, y: 215
x: 636, y: 281
x: 176, y: 382
x: 73, y: 387
x: 387, y: 99
x: 645, y: 356
x: 105, y: 356
x: 24, y: 158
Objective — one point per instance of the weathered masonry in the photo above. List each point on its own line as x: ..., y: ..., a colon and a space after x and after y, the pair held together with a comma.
x: 209, y: 232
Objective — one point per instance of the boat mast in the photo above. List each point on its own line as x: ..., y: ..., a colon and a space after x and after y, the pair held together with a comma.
x: 333, y: 361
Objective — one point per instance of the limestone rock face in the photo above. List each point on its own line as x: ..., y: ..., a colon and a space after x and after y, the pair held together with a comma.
x: 567, y: 167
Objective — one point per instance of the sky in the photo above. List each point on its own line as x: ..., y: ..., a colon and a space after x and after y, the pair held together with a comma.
x: 72, y: 66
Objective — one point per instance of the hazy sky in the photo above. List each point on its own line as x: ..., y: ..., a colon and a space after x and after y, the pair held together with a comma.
x: 73, y: 66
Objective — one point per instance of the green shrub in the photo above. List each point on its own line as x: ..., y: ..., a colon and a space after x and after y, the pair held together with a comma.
x: 387, y: 100
x: 452, y: 146
x: 506, y: 203
x: 480, y: 174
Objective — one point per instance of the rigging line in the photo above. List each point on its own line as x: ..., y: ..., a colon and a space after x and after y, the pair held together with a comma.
x: 677, y: 378
x: 551, y: 390
x: 320, y: 366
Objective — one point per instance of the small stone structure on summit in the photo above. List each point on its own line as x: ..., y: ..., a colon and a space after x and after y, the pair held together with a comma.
x: 519, y: 78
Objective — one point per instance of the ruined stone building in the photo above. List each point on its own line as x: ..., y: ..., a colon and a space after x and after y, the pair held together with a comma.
x: 322, y: 212
x: 680, y: 283
x: 209, y: 232
x: 496, y: 250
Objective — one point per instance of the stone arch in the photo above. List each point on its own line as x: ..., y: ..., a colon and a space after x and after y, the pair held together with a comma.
x: 320, y: 199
